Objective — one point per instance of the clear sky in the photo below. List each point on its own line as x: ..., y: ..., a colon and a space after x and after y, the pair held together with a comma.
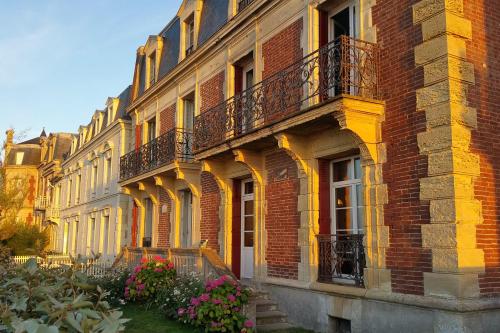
x: 61, y: 59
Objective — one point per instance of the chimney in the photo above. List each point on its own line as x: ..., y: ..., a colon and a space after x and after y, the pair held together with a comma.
x: 9, y: 142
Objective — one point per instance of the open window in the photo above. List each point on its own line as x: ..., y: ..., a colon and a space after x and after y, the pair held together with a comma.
x: 244, y: 78
x: 189, y: 35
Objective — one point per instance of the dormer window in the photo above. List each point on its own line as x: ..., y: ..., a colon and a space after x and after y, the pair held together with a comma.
x: 152, y: 68
x: 189, y: 38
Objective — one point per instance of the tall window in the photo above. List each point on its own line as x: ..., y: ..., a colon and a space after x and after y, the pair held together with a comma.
x: 152, y: 68
x: 148, y: 227
x: 105, y: 235
x: 70, y: 189
x: 347, y: 197
x: 189, y: 35
x: 90, y: 235
x: 108, y: 171
x: 94, y: 176
x: 66, y: 238
x: 74, y: 241
x: 77, y: 189
x: 151, y: 129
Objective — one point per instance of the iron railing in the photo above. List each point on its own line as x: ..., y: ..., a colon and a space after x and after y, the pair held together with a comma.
x: 345, y: 66
x: 242, y: 4
x: 174, y: 145
x: 341, y: 258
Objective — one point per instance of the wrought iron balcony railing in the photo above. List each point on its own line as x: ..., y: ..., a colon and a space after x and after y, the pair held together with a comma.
x: 341, y: 258
x: 345, y: 66
x: 174, y: 145
x: 242, y: 4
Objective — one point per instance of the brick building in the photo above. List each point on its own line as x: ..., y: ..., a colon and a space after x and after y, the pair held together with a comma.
x: 340, y: 154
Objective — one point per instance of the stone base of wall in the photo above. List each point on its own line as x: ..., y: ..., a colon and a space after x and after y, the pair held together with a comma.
x: 324, y: 312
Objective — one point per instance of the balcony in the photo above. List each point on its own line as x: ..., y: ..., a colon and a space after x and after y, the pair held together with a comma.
x: 41, y: 203
x: 343, y: 67
x: 175, y: 145
x: 341, y: 259
x: 54, y: 213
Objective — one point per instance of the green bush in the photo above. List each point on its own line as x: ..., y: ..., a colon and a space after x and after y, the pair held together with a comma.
x: 114, y: 283
x: 28, y: 240
x: 43, y: 300
x: 178, y: 294
x: 219, y: 308
x: 147, y: 278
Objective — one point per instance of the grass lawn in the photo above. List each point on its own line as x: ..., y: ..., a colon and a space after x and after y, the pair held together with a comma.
x: 152, y: 321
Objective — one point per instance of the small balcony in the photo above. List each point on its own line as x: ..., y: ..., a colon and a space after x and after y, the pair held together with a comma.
x: 341, y: 259
x: 175, y: 145
x: 41, y: 203
x: 344, y: 67
x: 54, y: 213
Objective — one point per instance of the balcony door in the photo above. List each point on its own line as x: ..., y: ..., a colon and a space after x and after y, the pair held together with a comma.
x: 148, y: 223
x: 186, y: 199
x: 247, y: 229
x: 188, y: 124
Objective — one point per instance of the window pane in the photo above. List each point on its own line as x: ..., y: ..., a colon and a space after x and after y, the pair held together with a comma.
x: 341, y: 170
x: 343, y: 197
x: 343, y: 219
x: 359, y: 195
x: 248, y: 239
x: 249, y: 207
x: 357, y: 168
x: 249, y: 188
x: 249, y: 223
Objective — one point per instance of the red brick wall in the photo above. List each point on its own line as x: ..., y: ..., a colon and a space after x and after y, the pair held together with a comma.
x: 399, y: 78
x: 283, y: 49
x: 167, y: 119
x: 485, y: 97
x: 212, y: 92
x: 210, y: 202
x: 164, y: 220
x: 282, y: 218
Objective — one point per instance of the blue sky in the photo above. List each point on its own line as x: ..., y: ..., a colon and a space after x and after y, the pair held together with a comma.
x: 61, y: 59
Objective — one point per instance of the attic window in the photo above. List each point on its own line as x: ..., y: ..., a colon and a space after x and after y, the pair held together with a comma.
x: 189, y: 35
x: 152, y: 68
x: 19, y: 158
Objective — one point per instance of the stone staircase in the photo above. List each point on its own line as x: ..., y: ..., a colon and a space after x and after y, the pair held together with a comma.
x: 268, y: 317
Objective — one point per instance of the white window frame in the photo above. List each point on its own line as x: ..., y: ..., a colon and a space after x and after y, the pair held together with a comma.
x: 353, y: 182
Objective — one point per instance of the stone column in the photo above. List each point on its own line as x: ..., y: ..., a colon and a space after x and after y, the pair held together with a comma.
x: 454, y: 211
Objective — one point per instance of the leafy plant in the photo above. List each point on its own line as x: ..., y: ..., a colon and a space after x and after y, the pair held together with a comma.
x: 219, y: 308
x: 114, y: 283
x: 28, y: 240
x: 42, y: 300
x: 148, y: 278
x: 178, y: 294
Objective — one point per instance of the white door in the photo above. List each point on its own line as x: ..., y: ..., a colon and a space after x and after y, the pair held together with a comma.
x: 347, y: 212
x: 247, y: 229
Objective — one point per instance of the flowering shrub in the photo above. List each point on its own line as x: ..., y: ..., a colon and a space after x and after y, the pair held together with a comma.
x: 218, y: 308
x: 178, y: 293
x: 147, y: 278
x: 113, y: 281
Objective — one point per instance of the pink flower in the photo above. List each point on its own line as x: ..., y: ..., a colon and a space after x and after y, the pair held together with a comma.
x: 231, y: 298
x: 204, y: 297
x: 137, y: 269
x: 181, y: 311
x: 170, y: 265
x: 217, y: 301
x: 129, y: 281
x: 248, y: 324
x: 158, y: 270
x: 195, y: 301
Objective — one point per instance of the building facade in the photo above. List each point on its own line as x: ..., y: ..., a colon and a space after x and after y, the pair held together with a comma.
x: 94, y: 212
x: 20, y: 163
x: 336, y: 153
x: 47, y: 203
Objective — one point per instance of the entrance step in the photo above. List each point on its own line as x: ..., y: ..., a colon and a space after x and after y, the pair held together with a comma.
x: 268, y: 316
x: 274, y: 327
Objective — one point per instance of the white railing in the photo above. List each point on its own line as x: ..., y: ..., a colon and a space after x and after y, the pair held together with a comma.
x: 54, y: 213
x: 95, y: 268
x: 41, y: 202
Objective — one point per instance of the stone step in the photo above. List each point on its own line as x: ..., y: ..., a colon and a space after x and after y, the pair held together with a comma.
x: 270, y: 317
x: 263, y: 305
x: 274, y: 327
x: 260, y: 295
